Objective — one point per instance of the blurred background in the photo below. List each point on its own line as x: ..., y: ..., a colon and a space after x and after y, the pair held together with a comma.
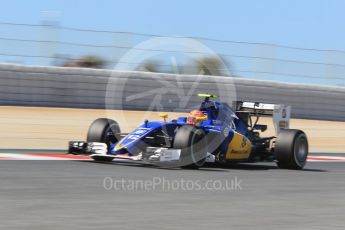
x: 289, y: 41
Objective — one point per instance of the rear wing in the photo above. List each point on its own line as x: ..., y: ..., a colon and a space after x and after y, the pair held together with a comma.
x: 281, y: 114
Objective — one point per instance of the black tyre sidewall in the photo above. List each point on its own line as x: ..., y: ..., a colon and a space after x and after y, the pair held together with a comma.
x: 285, y: 148
x: 98, y: 131
x: 193, y: 145
x: 102, y: 159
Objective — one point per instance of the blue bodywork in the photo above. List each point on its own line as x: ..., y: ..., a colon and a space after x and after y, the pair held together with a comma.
x: 221, y: 120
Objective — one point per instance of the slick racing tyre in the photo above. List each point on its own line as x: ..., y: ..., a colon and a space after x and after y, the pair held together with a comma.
x: 291, y: 149
x: 105, y: 131
x: 193, y: 145
x: 102, y: 159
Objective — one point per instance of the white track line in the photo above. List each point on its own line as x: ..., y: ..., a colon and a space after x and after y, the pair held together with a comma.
x: 326, y: 159
x: 19, y: 156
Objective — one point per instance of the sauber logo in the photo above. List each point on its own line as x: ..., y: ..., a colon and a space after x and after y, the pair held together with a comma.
x: 226, y: 131
x: 135, y: 135
x: 139, y: 131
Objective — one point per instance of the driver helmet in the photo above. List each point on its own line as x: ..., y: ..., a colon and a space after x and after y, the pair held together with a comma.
x: 195, y: 116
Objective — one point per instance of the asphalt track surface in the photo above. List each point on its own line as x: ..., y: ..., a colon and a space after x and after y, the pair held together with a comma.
x: 72, y: 195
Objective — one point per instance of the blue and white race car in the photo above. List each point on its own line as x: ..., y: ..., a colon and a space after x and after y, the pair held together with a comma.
x: 214, y: 133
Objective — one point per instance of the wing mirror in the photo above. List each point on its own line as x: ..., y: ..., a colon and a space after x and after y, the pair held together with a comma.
x: 164, y: 116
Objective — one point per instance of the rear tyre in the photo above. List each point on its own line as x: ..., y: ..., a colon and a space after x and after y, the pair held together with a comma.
x: 103, y: 130
x: 193, y: 145
x: 291, y: 149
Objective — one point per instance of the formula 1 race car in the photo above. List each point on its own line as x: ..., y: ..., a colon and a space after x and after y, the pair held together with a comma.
x: 213, y: 133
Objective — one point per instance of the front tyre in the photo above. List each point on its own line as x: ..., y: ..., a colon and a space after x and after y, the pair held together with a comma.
x: 102, y: 158
x: 291, y: 149
x: 106, y: 131
x: 193, y: 145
